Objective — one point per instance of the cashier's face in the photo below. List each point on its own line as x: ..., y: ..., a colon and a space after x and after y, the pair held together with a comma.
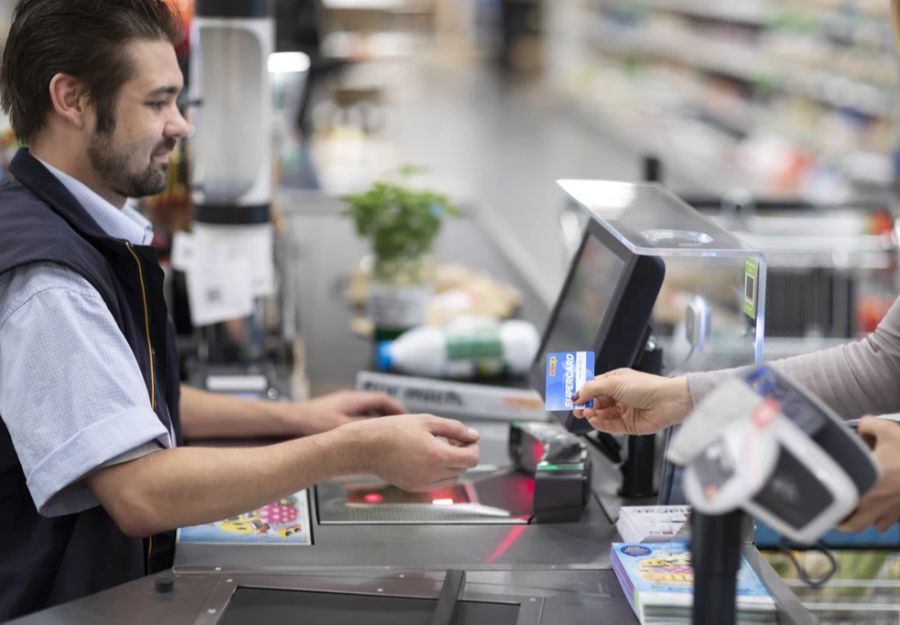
x: 131, y: 159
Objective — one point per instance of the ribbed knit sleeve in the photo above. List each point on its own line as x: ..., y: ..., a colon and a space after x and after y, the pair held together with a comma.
x: 861, y: 377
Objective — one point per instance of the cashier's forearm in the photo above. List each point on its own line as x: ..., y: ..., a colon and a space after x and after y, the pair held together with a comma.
x: 191, y: 485
x: 214, y: 415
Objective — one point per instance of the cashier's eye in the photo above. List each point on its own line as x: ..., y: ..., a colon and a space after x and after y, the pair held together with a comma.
x: 157, y: 105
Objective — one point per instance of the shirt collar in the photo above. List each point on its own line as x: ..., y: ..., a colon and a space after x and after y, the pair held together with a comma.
x: 125, y: 223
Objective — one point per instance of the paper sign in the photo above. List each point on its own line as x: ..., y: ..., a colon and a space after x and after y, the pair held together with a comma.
x: 751, y: 283
x: 182, y: 256
x: 219, y: 288
x: 251, y: 243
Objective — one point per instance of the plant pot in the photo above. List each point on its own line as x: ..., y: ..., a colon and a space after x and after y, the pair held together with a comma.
x: 394, y: 308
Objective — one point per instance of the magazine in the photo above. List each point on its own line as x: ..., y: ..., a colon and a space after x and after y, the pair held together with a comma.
x: 657, y: 579
x: 638, y: 524
x: 285, y: 521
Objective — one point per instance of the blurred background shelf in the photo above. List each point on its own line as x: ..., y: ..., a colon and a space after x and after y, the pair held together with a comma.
x: 782, y: 99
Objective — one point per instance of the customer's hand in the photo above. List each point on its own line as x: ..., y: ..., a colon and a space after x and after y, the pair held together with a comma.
x: 335, y: 409
x: 880, y: 506
x: 631, y: 402
x: 415, y: 452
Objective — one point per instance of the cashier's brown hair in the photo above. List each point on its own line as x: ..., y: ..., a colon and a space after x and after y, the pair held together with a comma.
x: 85, y: 39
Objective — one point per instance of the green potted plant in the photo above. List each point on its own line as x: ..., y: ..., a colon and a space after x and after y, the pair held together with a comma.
x: 401, y: 225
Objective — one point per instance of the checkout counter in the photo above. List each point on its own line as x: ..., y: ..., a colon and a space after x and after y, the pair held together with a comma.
x: 378, y: 570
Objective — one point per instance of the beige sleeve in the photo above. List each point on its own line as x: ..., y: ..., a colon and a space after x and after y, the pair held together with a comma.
x: 861, y: 377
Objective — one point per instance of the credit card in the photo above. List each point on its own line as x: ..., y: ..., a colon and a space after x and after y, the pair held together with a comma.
x: 566, y: 372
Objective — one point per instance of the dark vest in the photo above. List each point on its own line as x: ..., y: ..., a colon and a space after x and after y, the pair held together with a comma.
x: 45, y: 561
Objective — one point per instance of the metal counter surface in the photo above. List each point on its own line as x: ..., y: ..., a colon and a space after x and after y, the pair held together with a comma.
x: 555, y: 546
x: 582, y: 598
x: 565, y: 566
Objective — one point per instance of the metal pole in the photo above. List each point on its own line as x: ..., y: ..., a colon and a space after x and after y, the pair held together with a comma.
x: 716, y: 558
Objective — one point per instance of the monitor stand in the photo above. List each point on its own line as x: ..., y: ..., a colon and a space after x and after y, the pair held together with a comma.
x: 640, y: 465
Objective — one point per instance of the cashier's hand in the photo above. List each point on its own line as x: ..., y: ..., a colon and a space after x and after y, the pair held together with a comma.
x: 335, y: 409
x: 880, y: 506
x: 415, y: 452
x: 631, y: 402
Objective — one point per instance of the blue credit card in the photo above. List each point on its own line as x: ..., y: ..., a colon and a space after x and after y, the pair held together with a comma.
x: 566, y: 373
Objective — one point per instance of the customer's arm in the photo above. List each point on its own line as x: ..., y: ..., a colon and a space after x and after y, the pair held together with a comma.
x: 853, y: 379
x: 214, y: 415
x: 880, y: 505
x: 186, y: 486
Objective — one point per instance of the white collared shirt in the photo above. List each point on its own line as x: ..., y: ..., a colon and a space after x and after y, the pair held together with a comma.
x: 71, y: 392
x: 125, y: 223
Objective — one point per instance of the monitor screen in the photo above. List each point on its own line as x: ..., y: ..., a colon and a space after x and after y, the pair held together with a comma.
x: 597, y: 271
x: 604, y: 306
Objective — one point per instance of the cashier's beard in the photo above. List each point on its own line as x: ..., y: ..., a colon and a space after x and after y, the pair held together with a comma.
x: 123, y: 167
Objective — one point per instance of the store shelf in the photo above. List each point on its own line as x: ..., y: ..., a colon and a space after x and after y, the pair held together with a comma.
x: 703, y: 171
x: 810, y: 82
x: 745, y: 63
x: 746, y: 13
x: 723, y: 58
x: 802, y: 14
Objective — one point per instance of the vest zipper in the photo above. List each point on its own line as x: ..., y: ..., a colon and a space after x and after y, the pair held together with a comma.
x: 146, y: 325
x: 152, y: 372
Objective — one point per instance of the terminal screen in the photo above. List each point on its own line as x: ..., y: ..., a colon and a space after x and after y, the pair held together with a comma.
x: 589, y: 295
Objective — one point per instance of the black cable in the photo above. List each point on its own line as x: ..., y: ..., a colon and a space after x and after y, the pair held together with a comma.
x: 802, y: 573
x: 607, y: 445
x: 679, y: 369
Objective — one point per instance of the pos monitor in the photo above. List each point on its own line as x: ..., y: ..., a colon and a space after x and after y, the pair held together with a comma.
x: 604, y: 305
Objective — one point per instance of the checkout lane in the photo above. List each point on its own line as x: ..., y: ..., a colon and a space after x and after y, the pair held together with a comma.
x: 317, y: 271
x: 335, y: 354
x: 562, y: 567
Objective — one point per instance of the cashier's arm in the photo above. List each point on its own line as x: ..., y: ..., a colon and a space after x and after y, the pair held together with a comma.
x: 213, y: 415
x: 192, y: 485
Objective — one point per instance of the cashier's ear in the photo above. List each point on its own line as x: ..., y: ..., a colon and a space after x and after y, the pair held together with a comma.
x: 69, y: 99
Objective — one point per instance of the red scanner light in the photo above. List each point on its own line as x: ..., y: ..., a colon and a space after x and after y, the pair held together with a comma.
x: 537, y: 451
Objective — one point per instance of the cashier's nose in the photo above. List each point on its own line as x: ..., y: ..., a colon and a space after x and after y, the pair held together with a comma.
x: 177, y: 126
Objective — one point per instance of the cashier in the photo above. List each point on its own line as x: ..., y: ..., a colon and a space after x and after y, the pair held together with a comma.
x: 91, y: 409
